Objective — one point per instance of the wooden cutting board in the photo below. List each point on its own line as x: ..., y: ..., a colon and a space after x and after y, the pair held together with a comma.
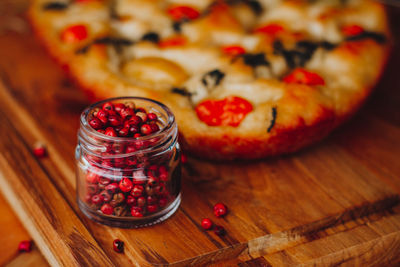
x: 334, y: 203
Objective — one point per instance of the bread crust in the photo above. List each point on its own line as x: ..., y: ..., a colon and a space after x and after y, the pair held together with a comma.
x: 303, y: 114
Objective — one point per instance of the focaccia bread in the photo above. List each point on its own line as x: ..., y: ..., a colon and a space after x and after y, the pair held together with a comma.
x: 245, y: 78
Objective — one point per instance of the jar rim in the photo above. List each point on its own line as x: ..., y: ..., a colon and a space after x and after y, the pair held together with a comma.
x: 85, y: 113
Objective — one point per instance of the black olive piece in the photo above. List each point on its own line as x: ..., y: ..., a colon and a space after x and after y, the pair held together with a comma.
x: 327, y: 45
x: 306, y: 49
x: 176, y: 25
x: 151, y: 37
x: 287, y: 55
x: 112, y: 10
x: 302, y: 53
x: 212, y: 78
x: 233, y: 2
x: 55, y: 6
x: 299, y: 56
x: 307, y: 45
x: 255, y: 6
x: 377, y: 37
x: 116, y: 42
x: 278, y: 47
x: 272, y: 123
x: 113, y: 41
x: 255, y: 60
x: 295, y: 58
x: 83, y: 50
x: 181, y: 91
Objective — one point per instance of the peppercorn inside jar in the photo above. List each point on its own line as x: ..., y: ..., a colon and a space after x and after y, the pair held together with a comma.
x: 128, y: 162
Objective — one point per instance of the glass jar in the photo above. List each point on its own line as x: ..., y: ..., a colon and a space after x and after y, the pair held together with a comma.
x: 125, y: 181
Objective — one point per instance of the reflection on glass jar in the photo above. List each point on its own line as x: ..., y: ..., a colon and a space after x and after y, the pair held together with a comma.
x: 128, y: 181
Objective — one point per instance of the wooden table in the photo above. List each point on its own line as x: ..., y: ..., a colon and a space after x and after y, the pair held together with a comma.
x: 335, y: 203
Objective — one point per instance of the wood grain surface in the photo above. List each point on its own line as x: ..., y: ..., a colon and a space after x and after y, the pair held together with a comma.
x: 335, y: 203
x: 9, y: 239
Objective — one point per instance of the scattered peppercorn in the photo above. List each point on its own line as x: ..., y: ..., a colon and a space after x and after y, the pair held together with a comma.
x: 123, y: 120
x: 118, y: 246
x: 136, y: 187
x: 97, y: 199
x: 220, y: 210
x: 39, y: 151
x: 92, y: 177
x: 206, y: 223
x: 151, y: 116
x: 25, y: 246
x: 183, y: 158
x: 219, y: 230
x: 125, y: 185
x: 107, y: 209
x: 152, y: 208
x: 137, y: 212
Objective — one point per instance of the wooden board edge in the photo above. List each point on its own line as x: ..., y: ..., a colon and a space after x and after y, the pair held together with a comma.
x: 28, y: 189
x: 289, y: 244
x: 296, y: 236
x: 33, y: 258
x: 26, y: 220
x: 23, y: 116
x: 381, y: 251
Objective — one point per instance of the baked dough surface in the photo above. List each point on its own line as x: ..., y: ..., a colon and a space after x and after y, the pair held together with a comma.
x: 140, y: 48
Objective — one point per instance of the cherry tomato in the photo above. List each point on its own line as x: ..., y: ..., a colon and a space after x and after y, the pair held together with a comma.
x: 271, y: 29
x: 303, y: 76
x: 74, y: 33
x: 229, y: 111
x: 209, y: 111
x: 233, y: 50
x: 351, y: 30
x: 183, y: 12
x: 173, y: 41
